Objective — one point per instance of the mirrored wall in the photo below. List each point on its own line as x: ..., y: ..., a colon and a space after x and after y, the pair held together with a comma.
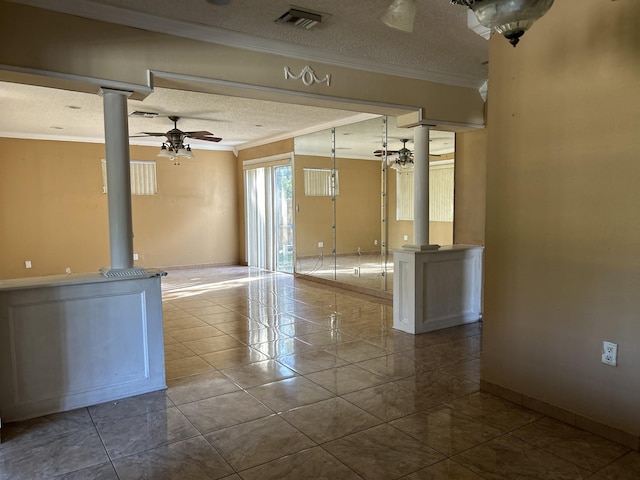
x: 338, y: 204
x: 353, y: 205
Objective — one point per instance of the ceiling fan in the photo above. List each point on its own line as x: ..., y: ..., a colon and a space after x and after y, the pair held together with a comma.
x: 175, y: 146
x: 405, y: 156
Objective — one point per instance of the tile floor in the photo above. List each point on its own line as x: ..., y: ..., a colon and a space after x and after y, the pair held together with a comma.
x: 276, y: 378
x: 364, y: 270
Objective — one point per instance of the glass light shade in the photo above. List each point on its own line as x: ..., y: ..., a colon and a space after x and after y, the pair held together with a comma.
x: 164, y: 152
x: 510, y: 18
x: 400, y: 15
x: 402, y: 166
x: 184, y: 152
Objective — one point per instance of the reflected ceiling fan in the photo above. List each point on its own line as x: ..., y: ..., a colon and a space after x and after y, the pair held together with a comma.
x: 174, y: 146
x: 405, y: 156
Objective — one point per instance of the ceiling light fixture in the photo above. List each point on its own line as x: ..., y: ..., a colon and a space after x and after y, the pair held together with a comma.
x: 400, y: 15
x: 404, y: 162
x: 173, y: 151
x: 510, y: 18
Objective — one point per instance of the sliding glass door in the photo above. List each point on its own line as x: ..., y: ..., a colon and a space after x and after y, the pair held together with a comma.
x: 269, y: 216
x: 283, y: 217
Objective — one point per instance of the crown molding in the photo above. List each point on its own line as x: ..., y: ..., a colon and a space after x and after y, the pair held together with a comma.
x: 136, y: 142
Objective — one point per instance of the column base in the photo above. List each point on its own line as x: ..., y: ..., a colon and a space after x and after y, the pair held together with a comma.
x: 436, y: 288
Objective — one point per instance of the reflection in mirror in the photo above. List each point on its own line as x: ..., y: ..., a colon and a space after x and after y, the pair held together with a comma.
x: 354, y: 204
x: 313, y: 168
x: 360, y: 243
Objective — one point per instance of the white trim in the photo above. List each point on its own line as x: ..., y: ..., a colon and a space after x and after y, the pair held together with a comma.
x: 101, y: 84
x: 107, y: 13
x: 137, y: 142
x: 291, y: 93
x: 439, y: 163
x: 57, y: 138
x: 271, y: 161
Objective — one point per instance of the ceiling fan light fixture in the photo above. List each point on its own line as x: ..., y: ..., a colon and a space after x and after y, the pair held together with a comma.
x: 400, y: 15
x: 510, y: 18
x: 404, y: 162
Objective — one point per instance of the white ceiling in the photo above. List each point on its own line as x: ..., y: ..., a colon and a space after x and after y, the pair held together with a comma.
x: 441, y: 48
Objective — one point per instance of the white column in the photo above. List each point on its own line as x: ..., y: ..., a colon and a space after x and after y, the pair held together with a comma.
x: 421, y: 186
x: 116, y: 134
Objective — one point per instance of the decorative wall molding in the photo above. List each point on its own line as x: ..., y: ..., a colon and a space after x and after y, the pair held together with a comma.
x: 308, y: 76
x: 70, y: 341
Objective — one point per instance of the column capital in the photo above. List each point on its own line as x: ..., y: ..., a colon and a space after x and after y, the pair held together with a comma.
x: 104, y: 90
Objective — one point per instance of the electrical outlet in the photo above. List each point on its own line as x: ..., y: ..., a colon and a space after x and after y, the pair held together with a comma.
x: 406, y: 237
x: 320, y: 244
x: 27, y: 264
x: 375, y: 242
x: 610, y: 353
x: 135, y: 257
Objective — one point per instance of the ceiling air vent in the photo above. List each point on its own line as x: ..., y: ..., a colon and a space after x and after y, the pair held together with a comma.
x: 139, y: 113
x: 300, y: 18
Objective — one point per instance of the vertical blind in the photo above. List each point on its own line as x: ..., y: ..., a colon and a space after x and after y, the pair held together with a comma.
x: 258, y: 215
x: 143, y: 177
x: 318, y: 182
x: 441, y: 182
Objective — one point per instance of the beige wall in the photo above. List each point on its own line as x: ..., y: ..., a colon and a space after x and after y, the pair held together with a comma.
x: 470, y: 187
x: 53, y: 211
x: 563, y: 203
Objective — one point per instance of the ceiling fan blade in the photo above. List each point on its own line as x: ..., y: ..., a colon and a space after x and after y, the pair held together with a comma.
x: 201, y: 133
x: 381, y: 153
x: 149, y: 134
x: 206, y: 138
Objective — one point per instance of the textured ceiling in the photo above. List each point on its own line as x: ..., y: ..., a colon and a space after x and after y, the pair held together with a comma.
x: 50, y: 114
x: 46, y: 113
x: 441, y: 48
